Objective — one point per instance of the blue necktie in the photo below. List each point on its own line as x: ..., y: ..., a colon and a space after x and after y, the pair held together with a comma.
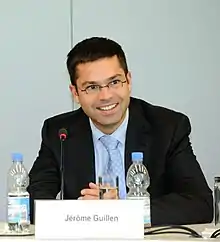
x: 115, y: 162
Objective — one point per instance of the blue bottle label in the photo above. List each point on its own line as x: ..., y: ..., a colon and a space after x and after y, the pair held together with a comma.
x: 18, y: 210
x: 147, y: 213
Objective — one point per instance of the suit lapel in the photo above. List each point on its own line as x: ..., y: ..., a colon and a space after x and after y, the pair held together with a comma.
x: 80, y: 144
x: 81, y: 149
x: 138, y: 136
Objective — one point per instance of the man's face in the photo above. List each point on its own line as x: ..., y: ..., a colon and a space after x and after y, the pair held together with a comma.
x: 106, y: 106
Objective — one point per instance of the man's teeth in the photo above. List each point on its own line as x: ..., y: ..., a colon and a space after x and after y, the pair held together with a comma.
x: 106, y: 108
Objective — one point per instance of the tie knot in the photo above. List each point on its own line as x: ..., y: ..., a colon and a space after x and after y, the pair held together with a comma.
x: 109, y: 142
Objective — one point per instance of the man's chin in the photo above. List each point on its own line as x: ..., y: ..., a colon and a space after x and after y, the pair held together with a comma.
x: 108, y: 124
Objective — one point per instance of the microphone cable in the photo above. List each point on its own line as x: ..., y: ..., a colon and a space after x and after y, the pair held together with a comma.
x: 215, y: 234
x: 174, y: 229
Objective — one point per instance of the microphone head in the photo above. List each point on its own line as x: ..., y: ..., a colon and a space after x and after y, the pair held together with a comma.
x: 63, y: 134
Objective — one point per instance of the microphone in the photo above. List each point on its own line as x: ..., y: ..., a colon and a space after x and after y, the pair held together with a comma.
x: 63, y: 136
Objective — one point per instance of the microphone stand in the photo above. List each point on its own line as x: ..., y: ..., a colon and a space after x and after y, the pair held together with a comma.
x: 62, y: 168
x: 63, y: 136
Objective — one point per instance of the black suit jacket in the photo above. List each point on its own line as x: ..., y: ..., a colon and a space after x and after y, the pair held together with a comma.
x: 178, y: 189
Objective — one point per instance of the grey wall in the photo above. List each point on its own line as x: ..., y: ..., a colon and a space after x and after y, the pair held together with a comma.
x: 172, y: 48
x: 35, y: 38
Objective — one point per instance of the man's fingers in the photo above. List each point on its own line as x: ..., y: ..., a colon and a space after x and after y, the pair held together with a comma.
x: 90, y: 192
x: 88, y: 197
x: 112, y: 194
x: 93, y: 185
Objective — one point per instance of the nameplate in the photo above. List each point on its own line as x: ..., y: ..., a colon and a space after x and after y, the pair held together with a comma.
x: 89, y: 219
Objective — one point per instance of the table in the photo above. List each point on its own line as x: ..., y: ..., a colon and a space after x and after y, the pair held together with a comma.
x: 201, y: 228
x: 205, y: 229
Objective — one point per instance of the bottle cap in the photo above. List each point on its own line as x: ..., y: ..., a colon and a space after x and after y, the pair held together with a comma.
x: 17, y: 157
x: 137, y: 156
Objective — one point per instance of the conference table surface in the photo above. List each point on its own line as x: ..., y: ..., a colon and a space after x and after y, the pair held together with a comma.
x: 205, y: 229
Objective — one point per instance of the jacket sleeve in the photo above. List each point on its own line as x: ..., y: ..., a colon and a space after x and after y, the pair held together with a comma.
x: 44, y: 174
x: 190, y: 200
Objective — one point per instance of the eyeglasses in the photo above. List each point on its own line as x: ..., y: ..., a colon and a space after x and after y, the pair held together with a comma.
x: 94, y: 89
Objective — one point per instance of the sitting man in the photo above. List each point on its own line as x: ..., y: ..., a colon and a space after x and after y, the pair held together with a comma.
x: 101, y: 84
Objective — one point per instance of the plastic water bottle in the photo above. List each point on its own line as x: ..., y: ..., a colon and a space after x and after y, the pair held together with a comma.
x: 18, y: 207
x: 138, y: 181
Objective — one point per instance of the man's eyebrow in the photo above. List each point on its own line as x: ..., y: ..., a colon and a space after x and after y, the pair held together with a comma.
x: 86, y: 83
x: 97, y: 82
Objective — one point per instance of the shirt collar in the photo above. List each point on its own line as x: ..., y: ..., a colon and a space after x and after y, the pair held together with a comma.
x: 119, y: 133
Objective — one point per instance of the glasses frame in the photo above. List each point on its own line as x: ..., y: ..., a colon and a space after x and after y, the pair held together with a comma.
x: 100, y: 87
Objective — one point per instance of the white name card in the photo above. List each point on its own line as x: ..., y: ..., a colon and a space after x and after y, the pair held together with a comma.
x: 89, y: 219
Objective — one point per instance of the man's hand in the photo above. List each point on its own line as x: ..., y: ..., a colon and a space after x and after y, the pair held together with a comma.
x: 93, y: 193
x: 90, y: 193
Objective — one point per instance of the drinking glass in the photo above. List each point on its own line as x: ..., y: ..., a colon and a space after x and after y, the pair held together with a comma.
x: 107, y: 182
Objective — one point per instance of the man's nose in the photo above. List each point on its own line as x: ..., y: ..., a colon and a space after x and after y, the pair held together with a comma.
x: 105, y: 93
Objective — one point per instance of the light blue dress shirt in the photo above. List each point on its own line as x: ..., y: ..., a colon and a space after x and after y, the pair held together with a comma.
x: 101, y: 154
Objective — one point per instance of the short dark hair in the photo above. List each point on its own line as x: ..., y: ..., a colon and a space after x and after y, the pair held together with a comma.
x: 93, y: 49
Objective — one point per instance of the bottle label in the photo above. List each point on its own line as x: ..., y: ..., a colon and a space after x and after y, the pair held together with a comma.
x: 147, y: 217
x: 18, y: 210
x: 147, y: 213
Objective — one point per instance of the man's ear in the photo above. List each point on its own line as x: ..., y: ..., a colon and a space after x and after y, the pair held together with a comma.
x: 73, y: 90
x: 128, y: 76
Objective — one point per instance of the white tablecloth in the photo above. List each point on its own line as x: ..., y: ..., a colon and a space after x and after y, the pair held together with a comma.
x: 205, y: 229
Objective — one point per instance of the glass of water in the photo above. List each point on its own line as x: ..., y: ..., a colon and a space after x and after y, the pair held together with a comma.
x: 107, y: 182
